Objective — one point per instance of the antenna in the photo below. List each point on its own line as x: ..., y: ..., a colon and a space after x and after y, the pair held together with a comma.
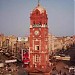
x: 38, y: 2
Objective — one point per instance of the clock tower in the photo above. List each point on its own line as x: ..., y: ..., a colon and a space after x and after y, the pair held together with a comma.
x: 39, y: 54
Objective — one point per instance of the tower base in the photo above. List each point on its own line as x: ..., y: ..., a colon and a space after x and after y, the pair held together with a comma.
x: 39, y: 71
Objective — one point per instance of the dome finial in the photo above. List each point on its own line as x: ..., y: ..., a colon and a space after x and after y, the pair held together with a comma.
x: 38, y: 2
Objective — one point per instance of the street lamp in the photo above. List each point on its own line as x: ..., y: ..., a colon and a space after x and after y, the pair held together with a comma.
x: 16, y: 47
x: 7, y: 44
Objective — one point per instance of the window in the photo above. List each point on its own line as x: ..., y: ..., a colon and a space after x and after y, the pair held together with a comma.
x: 36, y: 58
x: 37, y: 13
x: 40, y: 23
x: 34, y: 22
x: 46, y: 23
x: 0, y: 43
x: 46, y: 46
x: 36, y: 47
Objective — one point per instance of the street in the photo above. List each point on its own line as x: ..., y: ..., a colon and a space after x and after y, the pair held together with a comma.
x: 58, y: 67
x: 13, y: 68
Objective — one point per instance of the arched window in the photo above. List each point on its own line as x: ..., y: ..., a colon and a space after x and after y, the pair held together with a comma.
x: 46, y: 23
x: 40, y: 23
x: 34, y: 22
x: 37, y: 13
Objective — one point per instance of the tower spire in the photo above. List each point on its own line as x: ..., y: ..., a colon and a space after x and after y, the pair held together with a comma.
x: 38, y: 2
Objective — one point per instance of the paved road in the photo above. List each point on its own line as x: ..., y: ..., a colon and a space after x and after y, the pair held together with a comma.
x: 60, y: 67
x: 11, y: 68
x: 71, y: 53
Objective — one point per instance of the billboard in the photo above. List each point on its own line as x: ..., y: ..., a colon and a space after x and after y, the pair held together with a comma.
x: 22, y: 38
x: 10, y: 61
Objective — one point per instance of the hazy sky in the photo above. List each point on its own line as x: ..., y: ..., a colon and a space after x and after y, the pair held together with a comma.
x: 14, y: 16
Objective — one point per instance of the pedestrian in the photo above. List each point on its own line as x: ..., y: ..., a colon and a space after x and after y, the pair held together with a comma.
x: 60, y: 71
x: 64, y: 73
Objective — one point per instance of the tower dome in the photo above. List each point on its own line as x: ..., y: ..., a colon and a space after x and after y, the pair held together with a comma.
x: 38, y: 15
x: 40, y: 8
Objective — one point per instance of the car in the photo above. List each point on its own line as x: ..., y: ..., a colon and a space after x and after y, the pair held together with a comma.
x: 62, y: 55
x: 66, y: 67
x: 8, y: 74
x: 0, y: 48
x: 72, y: 69
x: 1, y: 51
x: 9, y: 70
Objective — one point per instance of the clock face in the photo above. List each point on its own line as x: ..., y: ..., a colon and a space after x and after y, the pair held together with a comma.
x: 36, y: 32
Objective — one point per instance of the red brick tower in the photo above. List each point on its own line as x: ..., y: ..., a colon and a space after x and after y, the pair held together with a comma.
x: 39, y: 57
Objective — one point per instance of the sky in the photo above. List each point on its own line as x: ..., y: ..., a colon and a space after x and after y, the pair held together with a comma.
x: 15, y: 16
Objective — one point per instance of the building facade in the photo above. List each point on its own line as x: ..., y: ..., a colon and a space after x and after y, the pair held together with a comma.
x: 39, y: 55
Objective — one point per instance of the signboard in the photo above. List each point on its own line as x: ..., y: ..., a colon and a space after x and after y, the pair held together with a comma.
x: 10, y: 61
x: 22, y: 38
x: 1, y: 64
x: 36, y: 25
